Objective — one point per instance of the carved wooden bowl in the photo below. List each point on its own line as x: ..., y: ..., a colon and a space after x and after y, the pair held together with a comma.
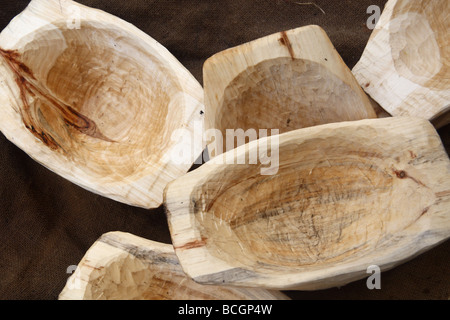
x: 98, y: 103
x: 346, y: 196
x: 405, y: 65
x: 285, y: 81
x: 121, y: 266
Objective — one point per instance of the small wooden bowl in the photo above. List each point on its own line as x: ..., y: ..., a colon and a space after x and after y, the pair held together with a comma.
x: 121, y: 266
x: 346, y: 196
x: 286, y: 81
x: 96, y: 100
x: 405, y: 66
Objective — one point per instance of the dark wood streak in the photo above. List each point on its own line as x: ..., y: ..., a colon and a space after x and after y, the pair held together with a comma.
x: 92, y: 267
x: 144, y: 254
x: 234, y: 275
x: 424, y: 211
x: 193, y: 244
x: 24, y: 79
x: 284, y: 40
x: 443, y: 193
x: 401, y: 174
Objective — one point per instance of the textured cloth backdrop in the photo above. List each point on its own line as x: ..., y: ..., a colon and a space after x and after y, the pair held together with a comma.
x: 48, y: 223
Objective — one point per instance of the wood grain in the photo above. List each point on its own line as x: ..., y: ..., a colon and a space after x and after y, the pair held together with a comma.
x: 122, y: 266
x: 405, y: 65
x: 97, y: 104
x: 346, y: 196
x: 286, y: 81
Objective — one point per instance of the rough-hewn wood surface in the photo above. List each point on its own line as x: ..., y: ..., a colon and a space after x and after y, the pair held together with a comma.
x: 39, y: 242
x: 122, y: 266
x: 96, y: 103
x: 286, y: 81
x: 406, y: 64
x: 346, y: 196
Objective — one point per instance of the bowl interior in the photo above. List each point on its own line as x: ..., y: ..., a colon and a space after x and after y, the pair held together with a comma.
x: 333, y: 202
x: 419, y: 42
x: 97, y: 96
x: 127, y: 277
x: 286, y: 94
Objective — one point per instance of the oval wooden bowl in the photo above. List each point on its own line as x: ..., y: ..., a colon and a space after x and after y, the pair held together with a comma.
x: 121, y: 266
x: 95, y: 100
x: 346, y: 196
x: 405, y: 66
x: 286, y: 81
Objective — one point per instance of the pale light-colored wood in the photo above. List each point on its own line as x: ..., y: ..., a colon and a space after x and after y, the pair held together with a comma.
x: 346, y: 196
x: 122, y: 266
x: 286, y: 81
x: 96, y: 100
x: 405, y: 66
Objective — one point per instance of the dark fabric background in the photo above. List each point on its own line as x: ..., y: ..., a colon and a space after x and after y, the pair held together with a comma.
x: 48, y: 223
